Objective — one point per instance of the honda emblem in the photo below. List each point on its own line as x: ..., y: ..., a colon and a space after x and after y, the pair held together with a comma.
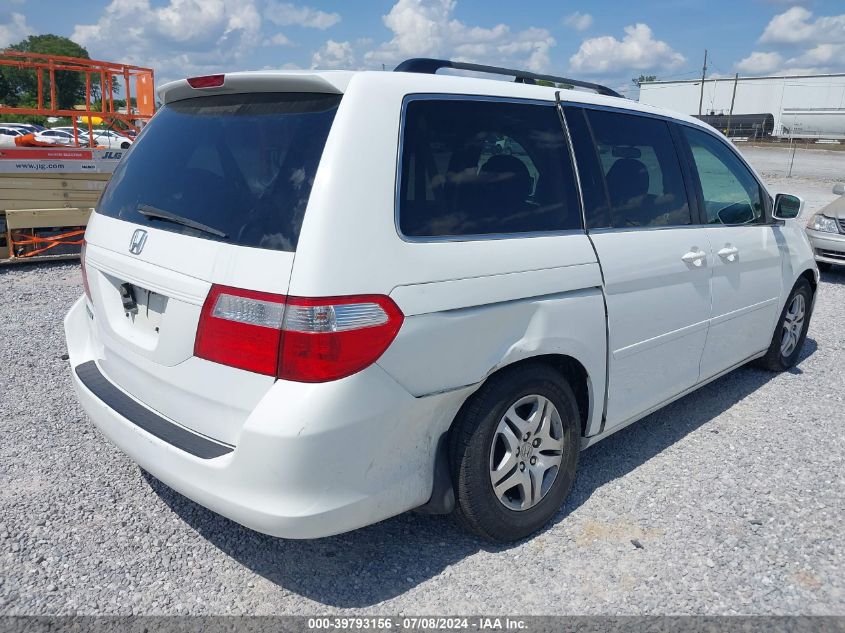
x: 136, y: 244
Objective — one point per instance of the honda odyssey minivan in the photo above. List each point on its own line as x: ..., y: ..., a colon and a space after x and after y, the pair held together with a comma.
x: 315, y: 300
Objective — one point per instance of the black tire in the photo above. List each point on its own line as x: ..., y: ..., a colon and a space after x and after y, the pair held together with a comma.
x: 824, y: 267
x: 477, y: 507
x: 774, y: 360
x: 124, y: 146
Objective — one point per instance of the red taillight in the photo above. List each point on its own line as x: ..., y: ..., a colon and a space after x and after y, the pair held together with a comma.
x: 85, y: 285
x: 295, y: 338
x: 333, y: 337
x: 241, y: 328
x: 206, y: 81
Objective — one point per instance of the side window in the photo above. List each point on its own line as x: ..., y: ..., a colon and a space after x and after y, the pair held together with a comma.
x: 484, y: 167
x: 590, y: 174
x: 731, y: 193
x: 642, y: 172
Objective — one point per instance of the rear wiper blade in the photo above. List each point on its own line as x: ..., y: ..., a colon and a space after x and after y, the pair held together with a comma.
x: 160, y: 214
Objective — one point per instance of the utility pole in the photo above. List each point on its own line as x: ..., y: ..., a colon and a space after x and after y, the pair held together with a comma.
x: 733, y: 99
x: 703, y: 74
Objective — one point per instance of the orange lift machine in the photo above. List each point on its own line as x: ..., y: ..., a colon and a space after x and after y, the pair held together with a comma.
x: 48, y: 192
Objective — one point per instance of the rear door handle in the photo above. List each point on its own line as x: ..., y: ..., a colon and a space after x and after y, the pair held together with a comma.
x: 729, y: 253
x: 694, y: 257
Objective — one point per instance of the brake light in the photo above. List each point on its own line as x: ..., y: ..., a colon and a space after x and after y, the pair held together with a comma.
x: 85, y: 285
x: 295, y: 338
x: 206, y: 81
x: 241, y: 328
x: 333, y: 337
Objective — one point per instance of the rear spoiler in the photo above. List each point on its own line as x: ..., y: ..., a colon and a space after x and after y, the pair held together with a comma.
x: 331, y: 82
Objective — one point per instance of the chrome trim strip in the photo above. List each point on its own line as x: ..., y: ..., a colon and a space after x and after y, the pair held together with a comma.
x: 660, y: 339
x: 722, y: 318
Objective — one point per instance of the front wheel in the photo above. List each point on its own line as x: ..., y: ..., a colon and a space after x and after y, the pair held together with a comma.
x: 513, y: 452
x: 791, y: 331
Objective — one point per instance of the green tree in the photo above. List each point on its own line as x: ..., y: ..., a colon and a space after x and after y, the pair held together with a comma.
x: 5, y: 88
x: 21, y: 85
x: 643, y: 79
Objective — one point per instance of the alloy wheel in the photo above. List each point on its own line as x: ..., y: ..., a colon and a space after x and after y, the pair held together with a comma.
x: 526, y: 452
x: 793, y: 325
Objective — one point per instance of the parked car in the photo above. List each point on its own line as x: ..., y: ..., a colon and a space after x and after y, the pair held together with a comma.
x: 11, y: 131
x: 112, y: 139
x: 66, y: 132
x: 8, y: 135
x: 313, y: 302
x: 102, y: 138
x: 827, y: 232
x: 25, y: 128
x: 60, y: 137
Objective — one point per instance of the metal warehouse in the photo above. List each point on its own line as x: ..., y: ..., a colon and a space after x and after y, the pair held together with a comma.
x: 789, y: 106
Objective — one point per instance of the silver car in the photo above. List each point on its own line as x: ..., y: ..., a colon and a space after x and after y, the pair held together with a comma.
x: 826, y: 230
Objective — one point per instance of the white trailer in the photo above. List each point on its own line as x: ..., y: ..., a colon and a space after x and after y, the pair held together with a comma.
x: 803, y: 106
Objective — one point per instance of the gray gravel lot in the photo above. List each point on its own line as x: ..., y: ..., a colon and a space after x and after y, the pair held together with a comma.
x: 735, y: 493
x: 814, y: 171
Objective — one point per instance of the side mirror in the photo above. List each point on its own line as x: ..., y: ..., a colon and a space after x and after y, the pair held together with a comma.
x: 787, y: 207
x: 839, y: 189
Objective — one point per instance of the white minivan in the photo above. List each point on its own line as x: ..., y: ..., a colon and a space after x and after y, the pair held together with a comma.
x: 315, y: 300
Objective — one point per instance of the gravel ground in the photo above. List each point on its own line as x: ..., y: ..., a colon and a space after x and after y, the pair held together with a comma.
x: 814, y: 172
x: 735, y: 496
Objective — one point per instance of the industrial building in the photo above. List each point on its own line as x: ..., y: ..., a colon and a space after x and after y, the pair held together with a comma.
x: 788, y: 106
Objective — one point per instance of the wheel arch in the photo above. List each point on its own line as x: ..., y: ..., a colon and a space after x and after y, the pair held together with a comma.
x: 810, y: 275
x: 569, y: 367
x: 442, y: 500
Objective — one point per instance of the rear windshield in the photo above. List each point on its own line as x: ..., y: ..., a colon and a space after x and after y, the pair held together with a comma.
x: 238, y: 168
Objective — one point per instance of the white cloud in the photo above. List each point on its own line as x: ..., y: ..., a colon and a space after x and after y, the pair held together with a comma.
x: 823, y: 54
x: 816, y: 44
x: 794, y: 26
x: 14, y: 30
x: 334, y: 55
x: 638, y: 50
x: 428, y: 28
x: 758, y: 63
x: 578, y: 21
x: 182, y: 38
x: 823, y: 58
x: 285, y: 14
x: 279, y: 39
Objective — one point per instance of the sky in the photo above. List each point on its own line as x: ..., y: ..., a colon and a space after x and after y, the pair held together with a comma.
x: 596, y: 40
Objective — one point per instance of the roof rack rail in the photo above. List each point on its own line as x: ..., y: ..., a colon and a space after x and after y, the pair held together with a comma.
x: 430, y: 66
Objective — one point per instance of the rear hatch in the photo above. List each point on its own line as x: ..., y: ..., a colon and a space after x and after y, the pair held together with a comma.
x: 213, y: 192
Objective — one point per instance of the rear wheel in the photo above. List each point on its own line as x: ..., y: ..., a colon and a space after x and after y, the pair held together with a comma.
x: 513, y: 451
x: 791, y: 331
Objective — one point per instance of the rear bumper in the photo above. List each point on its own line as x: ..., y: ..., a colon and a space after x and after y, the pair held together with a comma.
x: 311, y: 460
x: 828, y: 247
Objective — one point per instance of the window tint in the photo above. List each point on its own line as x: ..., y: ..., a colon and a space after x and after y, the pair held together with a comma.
x: 478, y: 167
x: 242, y: 164
x: 645, y: 186
x: 590, y: 175
x: 731, y: 193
